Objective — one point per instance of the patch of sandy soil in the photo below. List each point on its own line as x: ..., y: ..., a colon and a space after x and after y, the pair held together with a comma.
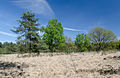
x: 74, y: 65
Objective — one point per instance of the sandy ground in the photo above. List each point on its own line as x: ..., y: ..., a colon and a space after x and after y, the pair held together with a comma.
x: 75, y: 65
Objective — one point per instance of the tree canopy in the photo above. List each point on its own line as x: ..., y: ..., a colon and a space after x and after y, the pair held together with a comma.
x: 82, y: 41
x: 53, y: 34
x: 0, y: 44
x: 100, y: 35
x: 28, y: 31
x: 28, y: 28
x: 53, y: 39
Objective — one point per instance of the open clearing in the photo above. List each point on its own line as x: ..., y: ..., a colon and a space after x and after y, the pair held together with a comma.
x: 75, y: 65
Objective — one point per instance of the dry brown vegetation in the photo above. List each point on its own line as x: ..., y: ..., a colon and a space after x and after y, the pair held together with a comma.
x: 58, y: 65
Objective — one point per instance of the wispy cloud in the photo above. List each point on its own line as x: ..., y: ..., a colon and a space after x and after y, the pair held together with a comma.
x: 71, y: 29
x: 37, y: 6
x: 8, y: 34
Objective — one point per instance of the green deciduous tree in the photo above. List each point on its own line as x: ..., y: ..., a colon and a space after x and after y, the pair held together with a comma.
x: 28, y: 31
x: 53, y: 34
x: 100, y: 36
x: 82, y: 42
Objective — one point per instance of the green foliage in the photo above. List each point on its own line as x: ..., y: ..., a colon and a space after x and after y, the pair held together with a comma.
x: 82, y: 42
x: 100, y: 37
x: 1, y: 45
x: 22, y: 48
x: 69, y: 45
x: 113, y: 45
x: 8, y: 48
x: 53, y: 39
x: 69, y: 48
x: 11, y: 48
x: 29, y: 33
x: 3, y: 51
x: 118, y: 45
x: 53, y: 35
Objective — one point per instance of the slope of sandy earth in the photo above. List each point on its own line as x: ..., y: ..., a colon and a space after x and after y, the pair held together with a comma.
x: 75, y: 65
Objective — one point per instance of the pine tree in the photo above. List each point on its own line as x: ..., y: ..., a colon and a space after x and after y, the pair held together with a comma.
x: 28, y: 31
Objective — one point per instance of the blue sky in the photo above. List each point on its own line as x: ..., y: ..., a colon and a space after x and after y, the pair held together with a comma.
x: 76, y: 16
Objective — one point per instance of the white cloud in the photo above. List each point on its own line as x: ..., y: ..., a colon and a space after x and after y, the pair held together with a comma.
x: 71, y: 29
x: 37, y: 6
x: 8, y: 34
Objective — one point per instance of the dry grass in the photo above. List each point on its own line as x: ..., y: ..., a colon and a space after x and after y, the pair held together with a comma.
x: 75, y: 65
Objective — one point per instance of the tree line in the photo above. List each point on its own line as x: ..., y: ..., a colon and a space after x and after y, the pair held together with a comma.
x: 53, y: 39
